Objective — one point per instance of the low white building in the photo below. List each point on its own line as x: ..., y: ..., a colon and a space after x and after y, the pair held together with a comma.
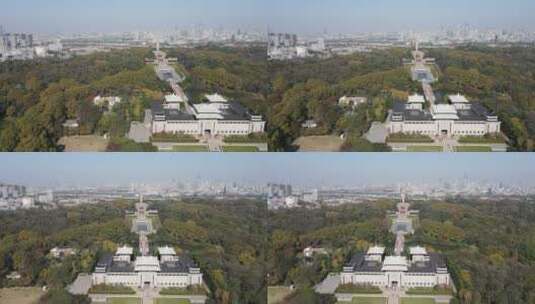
x: 217, y: 116
x: 310, y: 252
x: 458, y: 117
x: 352, y: 102
x: 28, y: 202
x: 71, y: 124
x: 292, y: 201
x: 174, y: 101
x: 14, y: 276
x: 167, y: 270
x: 311, y: 196
x: 309, y: 124
x: 109, y: 101
x: 419, y: 269
x: 61, y: 252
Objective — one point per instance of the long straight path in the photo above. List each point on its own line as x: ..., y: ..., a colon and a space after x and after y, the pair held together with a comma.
x: 429, y: 93
x: 393, y: 298
x: 400, y: 244
x: 143, y: 227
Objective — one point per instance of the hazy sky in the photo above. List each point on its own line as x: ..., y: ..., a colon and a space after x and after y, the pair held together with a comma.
x: 43, y: 169
x: 302, y: 16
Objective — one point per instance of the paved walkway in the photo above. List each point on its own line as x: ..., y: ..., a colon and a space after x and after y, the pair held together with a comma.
x: 141, y: 132
x: 400, y: 243
x: 377, y: 133
x: 215, y: 144
x: 428, y: 92
x: 447, y: 145
x: 141, y: 217
x: 148, y: 295
x: 329, y: 285
x: 393, y: 296
x: 81, y: 285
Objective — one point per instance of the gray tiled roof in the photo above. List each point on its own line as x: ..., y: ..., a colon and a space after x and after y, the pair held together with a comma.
x: 435, y: 261
x: 235, y: 112
x: 478, y: 112
x: 183, y: 265
x: 399, y: 108
x: 359, y: 264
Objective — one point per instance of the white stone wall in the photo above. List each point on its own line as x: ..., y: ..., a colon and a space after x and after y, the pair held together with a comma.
x: 376, y: 279
x: 99, y: 278
x: 126, y: 279
x: 160, y: 280
x: 216, y: 127
x: 395, y: 127
x: 408, y: 280
x: 422, y: 127
x: 494, y: 127
x: 227, y: 128
x: 457, y: 128
x: 258, y: 126
x: 444, y: 279
x: 419, y: 280
x: 470, y: 128
x: 187, y: 127
x: 175, y: 280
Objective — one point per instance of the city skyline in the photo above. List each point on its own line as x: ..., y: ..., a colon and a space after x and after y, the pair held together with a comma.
x: 299, y: 16
x: 52, y: 170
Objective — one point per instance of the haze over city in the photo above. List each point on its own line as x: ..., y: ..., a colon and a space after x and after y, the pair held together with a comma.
x: 299, y: 16
x: 52, y: 170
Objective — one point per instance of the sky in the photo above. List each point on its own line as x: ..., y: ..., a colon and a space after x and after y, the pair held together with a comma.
x: 299, y: 16
x: 316, y: 169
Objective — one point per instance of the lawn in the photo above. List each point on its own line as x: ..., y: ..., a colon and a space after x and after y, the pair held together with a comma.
x: 87, y: 143
x: 424, y: 149
x: 488, y: 139
x: 365, y: 300
x: 409, y: 138
x: 368, y: 300
x: 20, y: 295
x: 240, y: 149
x: 473, y: 149
x: 277, y: 293
x: 429, y: 291
x: 190, y: 149
x: 319, y: 144
x: 417, y: 301
x: 123, y: 301
x: 171, y: 301
x: 351, y: 288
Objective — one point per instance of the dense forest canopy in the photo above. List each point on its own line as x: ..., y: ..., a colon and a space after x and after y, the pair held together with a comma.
x: 227, y: 239
x: 489, y: 245
x: 36, y: 97
x: 501, y: 78
x: 27, y: 236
